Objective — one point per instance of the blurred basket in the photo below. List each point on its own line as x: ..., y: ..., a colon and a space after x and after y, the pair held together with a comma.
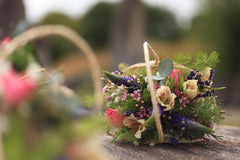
x: 69, y: 34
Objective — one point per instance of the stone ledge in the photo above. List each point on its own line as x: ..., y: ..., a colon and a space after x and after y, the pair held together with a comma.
x: 227, y: 148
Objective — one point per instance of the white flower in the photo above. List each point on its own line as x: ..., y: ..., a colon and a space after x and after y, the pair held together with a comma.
x: 112, y: 85
x: 117, y: 91
x: 135, y: 124
x: 121, y: 87
x: 165, y: 97
x: 117, y: 99
x: 113, y: 94
x: 190, y: 88
x: 146, y: 79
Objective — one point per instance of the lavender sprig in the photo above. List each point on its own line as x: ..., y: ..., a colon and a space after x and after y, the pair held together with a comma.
x: 182, y: 121
x: 122, y: 80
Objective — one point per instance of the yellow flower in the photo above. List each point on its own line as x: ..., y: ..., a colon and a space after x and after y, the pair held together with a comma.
x: 165, y: 97
x: 135, y: 124
x: 190, y: 88
x: 206, y: 73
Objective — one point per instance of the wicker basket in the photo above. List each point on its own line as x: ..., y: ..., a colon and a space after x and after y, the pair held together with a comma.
x: 149, y: 68
x: 59, y: 30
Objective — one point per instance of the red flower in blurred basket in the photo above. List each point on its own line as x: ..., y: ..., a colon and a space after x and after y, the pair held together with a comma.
x: 16, y: 89
x: 175, y: 74
x: 115, y: 117
x: 5, y: 41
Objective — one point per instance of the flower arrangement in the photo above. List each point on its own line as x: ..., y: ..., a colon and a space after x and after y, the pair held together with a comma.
x: 185, y: 101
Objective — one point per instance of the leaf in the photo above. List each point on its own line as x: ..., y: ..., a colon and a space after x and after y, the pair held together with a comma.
x: 220, y: 88
x: 150, y: 121
x: 172, y: 82
x: 165, y: 67
x: 180, y: 82
x: 115, y: 138
x: 157, y: 78
x: 193, y: 135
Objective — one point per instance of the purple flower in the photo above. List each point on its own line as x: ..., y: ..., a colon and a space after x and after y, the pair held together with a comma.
x: 156, y: 86
x: 173, y: 140
x: 134, y: 76
x: 211, y: 126
x: 108, y: 98
x: 122, y: 80
x: 160, y: 108
x: 184, y: 100
x: 124, y: 96
x: 136, y: 95
x: 104, y: 89
x: 143, y: 113
x: 177, y: 119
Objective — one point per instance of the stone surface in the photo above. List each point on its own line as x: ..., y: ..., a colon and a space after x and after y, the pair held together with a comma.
x: 227, y: 148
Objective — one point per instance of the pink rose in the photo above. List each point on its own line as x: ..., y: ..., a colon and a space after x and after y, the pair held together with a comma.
x: 115, y: 117
x: 15, y: 89
x: 175, y: 74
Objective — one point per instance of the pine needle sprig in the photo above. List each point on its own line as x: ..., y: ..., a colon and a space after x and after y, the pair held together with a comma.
x: 198, y: 61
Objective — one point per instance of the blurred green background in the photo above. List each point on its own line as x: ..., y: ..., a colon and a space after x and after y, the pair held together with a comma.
x: 117, y: 30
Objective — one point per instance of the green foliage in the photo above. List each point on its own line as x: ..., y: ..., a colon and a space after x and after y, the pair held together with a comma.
x: 60, y: 47
x: 217, y: 26
x: 59, y: 18
x: 198, y: 61
x: 122, y: 66
x: 150, y: 135
x: 89, y: 101
x: 95, y: 25
x: 209, y: 111
x: 202, y: 60
x: 20, y: 57
x: 150, y: 122
x: 183, y: 59
x: 161, y: 24
x: 129, y: 105
x: 146, y: 96
x: 127, y: 135
x: 18, y: 145
x: 180, y: 82
x: 165, y: 67
x: 193, y: 134
x: 85, y: 127
x: 205, y: 111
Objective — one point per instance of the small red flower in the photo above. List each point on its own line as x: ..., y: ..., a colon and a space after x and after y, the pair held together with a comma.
x: 5, y: 41
x: 175, y: 74
x: 115, y: 117
x: 15, y: 89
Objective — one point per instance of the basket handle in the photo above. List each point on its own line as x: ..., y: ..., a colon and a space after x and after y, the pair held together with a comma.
x: 156, y: 113
x: 72, y: 36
